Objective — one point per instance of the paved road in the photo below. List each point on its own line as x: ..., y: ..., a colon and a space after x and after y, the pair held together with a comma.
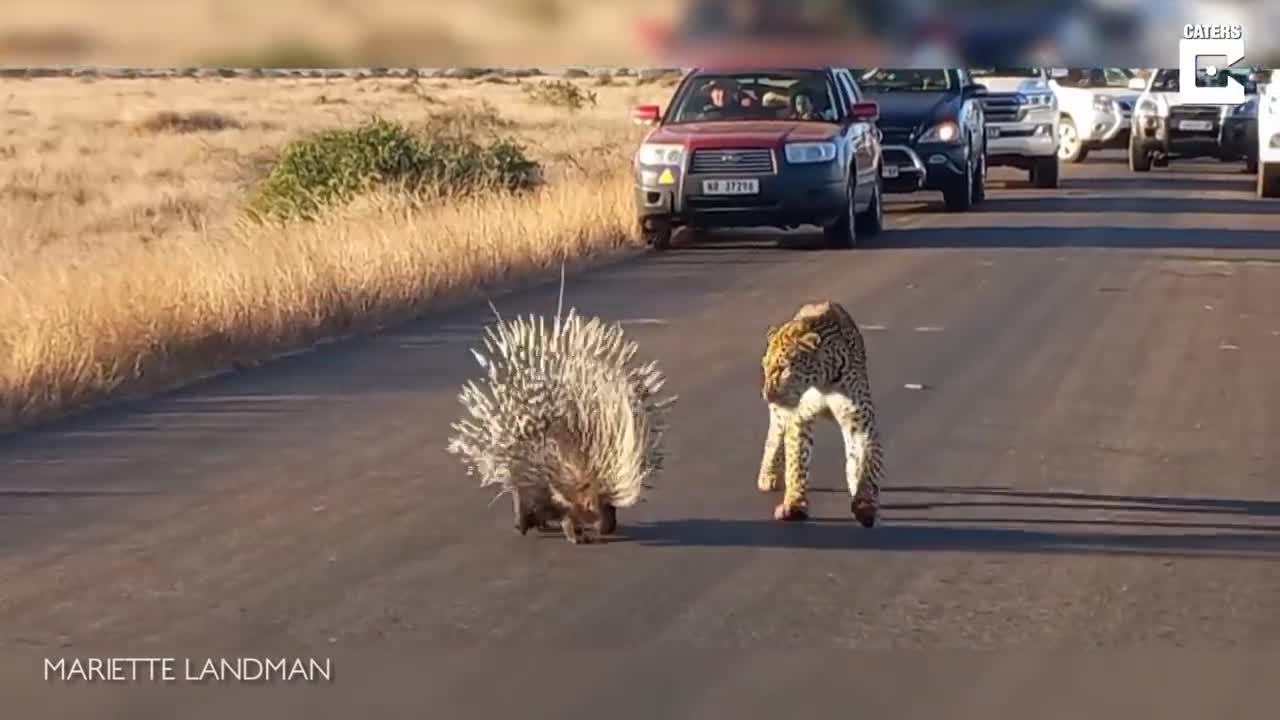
x: 1084, y: 485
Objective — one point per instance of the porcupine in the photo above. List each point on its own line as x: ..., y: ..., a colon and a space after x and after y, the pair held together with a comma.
x: 563, y: 422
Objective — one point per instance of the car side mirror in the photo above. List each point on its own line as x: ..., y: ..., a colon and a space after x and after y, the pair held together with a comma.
x: 865, y: 111
x: 975, y: 90
x: 646, y: 114
x: 1137, y: 84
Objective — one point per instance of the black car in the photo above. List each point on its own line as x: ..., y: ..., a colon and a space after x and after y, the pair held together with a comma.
x: 1165, y: 128
x: 933, y: 131
x: 761, y: 147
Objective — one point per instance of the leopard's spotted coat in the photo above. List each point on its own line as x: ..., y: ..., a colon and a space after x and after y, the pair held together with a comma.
x: 815, y: 366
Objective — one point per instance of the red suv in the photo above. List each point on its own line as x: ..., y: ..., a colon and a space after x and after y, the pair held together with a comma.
x: 761, y: 148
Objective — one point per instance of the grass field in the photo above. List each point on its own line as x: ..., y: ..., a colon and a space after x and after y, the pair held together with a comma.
x: 126, y: 261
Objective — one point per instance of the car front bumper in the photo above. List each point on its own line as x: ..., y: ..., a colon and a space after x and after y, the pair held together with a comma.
x: 1227, y: 138
x: 924, y: 166
x: 1015, y: 144
x: 794, y: 195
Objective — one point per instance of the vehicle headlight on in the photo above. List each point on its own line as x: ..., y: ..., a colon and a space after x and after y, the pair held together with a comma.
x: 1102, y: 103
x: 1248, y: 108
x: 810, y: 152
x: 656, y: 154
x: 1038, y: 99
x: 944, y: 132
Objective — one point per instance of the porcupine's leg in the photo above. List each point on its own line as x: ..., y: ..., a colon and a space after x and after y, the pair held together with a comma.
x: 864, y: 460
x: 575, y: 530
x: 798, y: 439
x: 608, y: 524
x: 771, y: 465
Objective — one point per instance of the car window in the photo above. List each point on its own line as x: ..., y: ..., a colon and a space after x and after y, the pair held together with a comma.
x: 883, y: 80
x: 1118, y: 77
x: 1166, y: 80
x: 1005, y: 72
x: 776, y: 95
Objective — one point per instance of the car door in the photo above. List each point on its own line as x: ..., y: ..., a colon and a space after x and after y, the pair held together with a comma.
x: 863, y: 138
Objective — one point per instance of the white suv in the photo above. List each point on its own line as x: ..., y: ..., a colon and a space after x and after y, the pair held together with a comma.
x: 1096, y: 105
x: 1021, y: 115
x: 1269, y: 137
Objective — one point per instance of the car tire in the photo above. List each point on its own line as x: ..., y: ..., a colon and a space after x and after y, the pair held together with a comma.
x: 843, y: 234
x: 1269, y: 180
x: 871, y: 221
x: 658, y: 238
x: 1044, y: 173
x: 1139, y: 159
x: 958, y: 196
x: 1070, y: 146
x: 980, y: 182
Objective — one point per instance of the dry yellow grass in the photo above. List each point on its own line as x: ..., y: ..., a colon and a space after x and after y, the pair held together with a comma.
x: 124, y: 262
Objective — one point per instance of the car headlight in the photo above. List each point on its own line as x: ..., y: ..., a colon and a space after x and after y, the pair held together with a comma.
x: 944, y: 132
x: 1038, y: 99
x: 1248, y: 108
x: 810, y: 152
x: 1102, y: 103
x: 655, y: 154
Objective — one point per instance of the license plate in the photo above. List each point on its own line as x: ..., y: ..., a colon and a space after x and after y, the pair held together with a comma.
x: 1195, y: 125
x: 889, y: 171
x: 993, y: 132
x: 746, y: 186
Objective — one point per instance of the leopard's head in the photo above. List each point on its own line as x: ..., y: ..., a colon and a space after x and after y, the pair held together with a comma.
x: 790, y: 362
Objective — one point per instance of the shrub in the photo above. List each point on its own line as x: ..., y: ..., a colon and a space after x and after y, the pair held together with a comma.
x: 560, y: 93
x: 333, y: 166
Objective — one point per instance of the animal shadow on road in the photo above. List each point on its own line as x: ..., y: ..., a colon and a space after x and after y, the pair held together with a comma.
x: 902, y: 531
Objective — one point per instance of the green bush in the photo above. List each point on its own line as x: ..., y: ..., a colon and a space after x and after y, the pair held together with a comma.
x: 333, y: 166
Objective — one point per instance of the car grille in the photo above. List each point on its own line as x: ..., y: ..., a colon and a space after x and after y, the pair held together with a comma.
x: 1195, y: 112
x: 895, y: 135
x: 1003, y: 107
x: 893, y: 156
x: 731, y: 161
x: 1210, y: 113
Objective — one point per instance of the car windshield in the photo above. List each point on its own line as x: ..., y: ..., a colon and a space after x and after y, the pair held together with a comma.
x: 777, y: 95
x: 1005, y: 72
x: 1096, y: 78
x: 1166, y: 80
x: 883, y: 80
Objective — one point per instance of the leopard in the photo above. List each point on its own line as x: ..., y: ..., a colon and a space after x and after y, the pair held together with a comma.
x: 815, y: 367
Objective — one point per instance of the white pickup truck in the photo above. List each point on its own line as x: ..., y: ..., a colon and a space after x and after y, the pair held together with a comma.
x: 1269, y: 136
x: 1095, y: 107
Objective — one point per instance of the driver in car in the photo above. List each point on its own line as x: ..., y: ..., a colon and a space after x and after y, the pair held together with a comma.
x: 725, y: 94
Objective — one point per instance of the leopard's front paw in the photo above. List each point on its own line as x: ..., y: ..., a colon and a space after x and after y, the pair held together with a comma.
x: 790, y: 513
x: 865, y: 511
x: 767, y: 483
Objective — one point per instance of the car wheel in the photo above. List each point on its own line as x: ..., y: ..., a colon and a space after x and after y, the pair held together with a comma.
x: 958, y: 196
x: 843, y: 234
x: 1044, y: 173
x: 658, y: 238
x: 1070, y: 147
x: 1139, y: 159
x: 871, y: 220
x: 980, y: 182
x: 1269, y: 180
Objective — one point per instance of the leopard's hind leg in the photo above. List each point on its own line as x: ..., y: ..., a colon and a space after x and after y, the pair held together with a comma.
x: 864, y: 460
